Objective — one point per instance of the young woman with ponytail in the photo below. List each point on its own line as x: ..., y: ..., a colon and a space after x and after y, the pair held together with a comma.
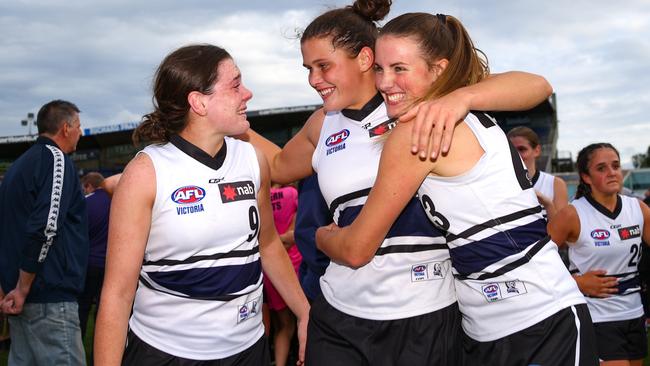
x: 396, y: 306
x: 604, y: 231
x: 191, y: 229
x: 519, y: 305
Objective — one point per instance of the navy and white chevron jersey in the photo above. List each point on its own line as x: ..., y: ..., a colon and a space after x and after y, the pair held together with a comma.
x: 508, y: 273
x: 200, y: 287
x: 410, y: 274
x: 610, y: 241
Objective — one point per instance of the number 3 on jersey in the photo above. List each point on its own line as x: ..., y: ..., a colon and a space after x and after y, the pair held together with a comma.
x: 437, y: 218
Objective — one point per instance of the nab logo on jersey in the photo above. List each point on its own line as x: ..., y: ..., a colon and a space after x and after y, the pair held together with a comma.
x: 237, y: 191
x: 188, y: 194
x: 382, y: 128
x: 630, y: 232
x: 337, y: 138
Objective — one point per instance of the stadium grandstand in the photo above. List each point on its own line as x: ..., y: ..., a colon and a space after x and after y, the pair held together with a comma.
x: 108, y: 149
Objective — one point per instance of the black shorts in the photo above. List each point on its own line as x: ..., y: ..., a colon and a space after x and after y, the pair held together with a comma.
x: 622, y: 340
x: 566, y: 338
x: 336, y: 338
x: 139, y: 353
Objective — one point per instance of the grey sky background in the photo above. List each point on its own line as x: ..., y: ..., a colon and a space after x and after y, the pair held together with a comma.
x: 101, y: 55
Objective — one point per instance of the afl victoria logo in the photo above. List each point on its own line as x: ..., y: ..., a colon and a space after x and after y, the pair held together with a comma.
x: 188, y: 194
x: 600, y: 234
x: 490, y: 289
x: 337, y: 138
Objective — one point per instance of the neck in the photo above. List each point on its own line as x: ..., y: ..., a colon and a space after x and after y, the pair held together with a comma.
x: 532, y: 169
x: 366, y: 92
x: 210, y: 143
x: 59, y: 141
x: 608, y: 200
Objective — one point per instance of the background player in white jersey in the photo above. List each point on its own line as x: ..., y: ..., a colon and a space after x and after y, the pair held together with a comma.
x: 184, y: 228
x: 381, y: 309
x: 604, y: 231
x: 551, y: 191
x: 519, y: 305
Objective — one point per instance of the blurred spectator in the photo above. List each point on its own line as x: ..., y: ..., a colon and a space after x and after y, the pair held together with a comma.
x: 98, y: 204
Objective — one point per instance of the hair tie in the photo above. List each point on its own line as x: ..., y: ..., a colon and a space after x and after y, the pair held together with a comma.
x: 442, y: 18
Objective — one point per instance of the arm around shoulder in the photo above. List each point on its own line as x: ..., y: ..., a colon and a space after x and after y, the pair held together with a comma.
x: 398, y: 179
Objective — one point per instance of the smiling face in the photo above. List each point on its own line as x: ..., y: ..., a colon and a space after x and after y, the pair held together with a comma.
x: 604, y: 172
x: 402, y: 75
x: 226, y: 105
x: 333, y: 74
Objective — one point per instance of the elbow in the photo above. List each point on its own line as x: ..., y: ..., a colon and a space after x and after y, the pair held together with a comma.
x: 545, y: 86
x: 359, y: 258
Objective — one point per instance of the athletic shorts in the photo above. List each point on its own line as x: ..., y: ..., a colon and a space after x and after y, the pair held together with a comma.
x: 622, y: 340
x: 566, y: 338
x: 139, y: 353
x: 336, y: 338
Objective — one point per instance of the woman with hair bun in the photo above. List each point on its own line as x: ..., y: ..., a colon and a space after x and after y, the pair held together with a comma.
x: 191, y: 229
x: 604, y: 231
x: 519, y: 305
x: 396, y: 305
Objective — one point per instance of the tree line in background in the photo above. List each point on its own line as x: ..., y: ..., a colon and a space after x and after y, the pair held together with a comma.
x: 641, y: 160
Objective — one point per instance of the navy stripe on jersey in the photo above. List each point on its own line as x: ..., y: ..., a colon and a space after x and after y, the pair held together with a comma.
x: 513, y: 265
x: 212, y: 283
x: 412, y: 221
x: 198, y: 258
x: 345, y: 198
x: 630, y: 286
x: 496, y: 222
x: 475, y: 256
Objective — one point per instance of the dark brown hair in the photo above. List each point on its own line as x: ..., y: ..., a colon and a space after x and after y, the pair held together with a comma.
x: 189, y: 68
x: 525, y: 132
x: 95, y: 179
x: 351, y: 27
x: 582, y: 164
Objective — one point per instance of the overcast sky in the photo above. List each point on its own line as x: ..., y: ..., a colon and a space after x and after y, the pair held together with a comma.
x: 102, y: 54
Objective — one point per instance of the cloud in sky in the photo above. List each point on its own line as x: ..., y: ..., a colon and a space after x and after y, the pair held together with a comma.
x: 102, y: 55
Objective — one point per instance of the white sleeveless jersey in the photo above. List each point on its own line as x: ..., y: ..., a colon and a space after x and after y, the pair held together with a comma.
x: 543, y: 183
x: 610, y: 241
x: 200, y: 288
x: 508, y: 273
x: 410, y: 274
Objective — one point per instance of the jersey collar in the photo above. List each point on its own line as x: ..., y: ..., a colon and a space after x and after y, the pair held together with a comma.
x: 360, y: 114
x: 535, y: 177
x: 603, y: 210
x: 199, y: 155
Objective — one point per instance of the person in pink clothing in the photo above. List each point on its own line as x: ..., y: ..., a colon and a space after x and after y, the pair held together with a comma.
x: 284, y: 200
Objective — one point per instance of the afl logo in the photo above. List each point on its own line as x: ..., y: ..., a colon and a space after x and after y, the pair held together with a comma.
x: 337, y: 138
x: 188, y: 194
x: 490, y: 289
x: 419, y: 268
x: 600, y: 234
